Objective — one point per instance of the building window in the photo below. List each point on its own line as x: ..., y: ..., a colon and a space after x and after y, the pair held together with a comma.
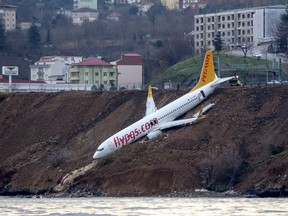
x: 212, y: 19
x: 111, y: 74
x: 243, y: 24
x: 105, y: 82
x: 86, y: 81
x: 96, y: 74
x: 223, y: 26
x: 243, y: 16
x: 209, y: 20
x: 105, y: 74
x: 86, y: 74
x: 223, y: 18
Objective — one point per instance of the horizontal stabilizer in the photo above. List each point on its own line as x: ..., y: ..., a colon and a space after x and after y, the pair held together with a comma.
x: 221, y: 80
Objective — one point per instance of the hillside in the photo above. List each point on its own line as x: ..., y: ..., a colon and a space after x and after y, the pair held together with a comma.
x: 242, y: 144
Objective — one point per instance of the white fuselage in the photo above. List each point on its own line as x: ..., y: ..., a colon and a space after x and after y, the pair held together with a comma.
x: 150, y: 123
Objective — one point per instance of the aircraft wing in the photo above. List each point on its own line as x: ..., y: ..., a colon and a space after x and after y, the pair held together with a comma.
x: 150, y: 104
x: 192, y: 120
x: 177, y: 123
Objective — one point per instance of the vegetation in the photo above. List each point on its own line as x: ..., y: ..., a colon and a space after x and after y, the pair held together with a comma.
x: 282, y: 33
x: 187, y: 71
x: 2, y: 37
x: 159, y: 36
x: 218, y: 43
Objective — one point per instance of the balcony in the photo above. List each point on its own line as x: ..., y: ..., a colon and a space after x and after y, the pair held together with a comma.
x: 74, y: 78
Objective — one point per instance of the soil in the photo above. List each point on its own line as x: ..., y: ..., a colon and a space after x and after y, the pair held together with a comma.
x: 47, y: 141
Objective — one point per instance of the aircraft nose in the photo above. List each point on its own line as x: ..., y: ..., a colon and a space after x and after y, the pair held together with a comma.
x: 95, y: 156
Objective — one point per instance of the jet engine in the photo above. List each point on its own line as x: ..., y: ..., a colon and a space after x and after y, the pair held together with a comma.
x: 154, y: 134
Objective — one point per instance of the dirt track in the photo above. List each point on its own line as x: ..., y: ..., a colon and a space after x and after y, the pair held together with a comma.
x: 242, y: 144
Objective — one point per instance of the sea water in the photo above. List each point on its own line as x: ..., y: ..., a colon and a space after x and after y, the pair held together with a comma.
x: 144, y: 206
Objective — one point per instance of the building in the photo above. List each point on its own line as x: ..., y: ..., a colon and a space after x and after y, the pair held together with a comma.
x: 93, y: 71
x: 237, y: 27
x: 53, y: 69
x: 93, y: 4
x: 84, y: 15
x: 172, y: 4
x: 114, y: 16
x: 8, y: 16
x: 130, y: 71
x: 194, y: 4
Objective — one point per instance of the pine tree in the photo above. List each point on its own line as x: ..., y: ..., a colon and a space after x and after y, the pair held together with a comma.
x: 217, y: 42
x: 2, y: 37
x: 34, y: 38
x: 282, y: 33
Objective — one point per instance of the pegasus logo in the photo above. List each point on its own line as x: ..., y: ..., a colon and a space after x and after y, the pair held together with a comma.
x: 205, y: 69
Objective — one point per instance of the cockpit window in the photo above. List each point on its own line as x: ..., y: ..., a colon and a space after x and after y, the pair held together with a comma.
x: 100, y: 149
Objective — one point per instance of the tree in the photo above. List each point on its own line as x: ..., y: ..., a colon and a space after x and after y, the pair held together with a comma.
x: 155, y: 11
x: 34, y: 37
x: 133, y: 10
x: 282, y: 33
x: 2, y: 37
x: 217, y: 42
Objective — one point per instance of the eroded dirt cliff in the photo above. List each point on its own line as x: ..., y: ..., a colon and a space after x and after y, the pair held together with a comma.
x: 47, y: 141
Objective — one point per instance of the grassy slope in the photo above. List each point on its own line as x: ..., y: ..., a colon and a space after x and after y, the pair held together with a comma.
x: 188, y: 70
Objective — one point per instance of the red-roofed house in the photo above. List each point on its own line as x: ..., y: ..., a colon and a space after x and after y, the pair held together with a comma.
x: 130, y: 71
x: 93, y: 71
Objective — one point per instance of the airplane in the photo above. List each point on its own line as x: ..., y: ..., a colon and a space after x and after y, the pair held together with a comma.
x: 157, y: 120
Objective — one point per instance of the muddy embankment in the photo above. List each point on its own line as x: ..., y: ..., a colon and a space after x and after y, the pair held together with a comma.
x: 47, y: 141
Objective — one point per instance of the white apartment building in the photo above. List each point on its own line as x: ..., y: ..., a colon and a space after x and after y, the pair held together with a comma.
x: 84, y: 15
x: 93, y: 4
x: 53, y: 69
x: 242, y: 26
x: 8, y: 16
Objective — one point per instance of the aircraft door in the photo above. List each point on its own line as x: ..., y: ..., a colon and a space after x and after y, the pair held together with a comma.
x: 201, y: 95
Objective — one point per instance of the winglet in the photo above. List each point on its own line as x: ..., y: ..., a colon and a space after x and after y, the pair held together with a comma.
x: 150, y: 104
x: 200, y: 112
x: 208, y: 72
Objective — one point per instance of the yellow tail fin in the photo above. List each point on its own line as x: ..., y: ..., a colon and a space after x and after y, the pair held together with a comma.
x: 150, y: 91
x: 208, y: 72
